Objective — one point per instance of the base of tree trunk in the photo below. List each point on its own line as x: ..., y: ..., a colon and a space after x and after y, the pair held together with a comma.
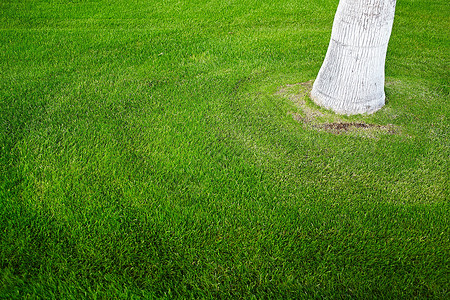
x: 346, y: 108
x: 351, y: 79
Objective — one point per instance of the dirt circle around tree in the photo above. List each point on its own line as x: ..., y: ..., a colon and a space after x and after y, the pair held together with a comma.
x: 312, y: 116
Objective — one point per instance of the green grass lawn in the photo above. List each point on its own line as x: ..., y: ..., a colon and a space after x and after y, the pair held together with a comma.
x: 159, y: 149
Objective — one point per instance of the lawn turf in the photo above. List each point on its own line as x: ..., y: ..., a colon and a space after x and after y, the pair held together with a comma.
x: 146, y: 152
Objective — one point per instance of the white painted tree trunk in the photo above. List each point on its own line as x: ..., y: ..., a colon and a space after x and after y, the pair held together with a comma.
x: 351, y: 79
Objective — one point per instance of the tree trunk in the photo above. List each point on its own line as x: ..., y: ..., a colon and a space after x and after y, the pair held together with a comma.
x: 351, y: 79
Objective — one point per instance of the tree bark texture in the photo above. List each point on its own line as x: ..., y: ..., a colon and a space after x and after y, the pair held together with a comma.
x: 351, y: 79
